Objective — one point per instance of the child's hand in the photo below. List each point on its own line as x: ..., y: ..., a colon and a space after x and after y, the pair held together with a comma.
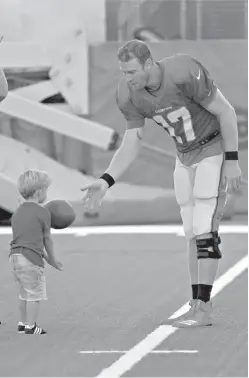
x: 58, y: 265
x: 55, y: 264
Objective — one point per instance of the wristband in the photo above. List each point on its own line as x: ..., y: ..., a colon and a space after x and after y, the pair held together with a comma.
x: 108, y: 178
x: 231, y: 155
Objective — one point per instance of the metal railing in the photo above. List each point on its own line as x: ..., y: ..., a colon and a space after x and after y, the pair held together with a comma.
x: 184, y: 19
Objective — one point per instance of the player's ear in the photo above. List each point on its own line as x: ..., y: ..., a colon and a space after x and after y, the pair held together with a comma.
x: 148, y: 64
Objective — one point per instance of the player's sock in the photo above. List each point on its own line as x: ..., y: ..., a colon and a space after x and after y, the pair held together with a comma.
x: 204, y: 292
x: 194, y: 291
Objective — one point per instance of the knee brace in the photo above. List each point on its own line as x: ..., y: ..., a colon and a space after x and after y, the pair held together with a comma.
x: 204, y: 244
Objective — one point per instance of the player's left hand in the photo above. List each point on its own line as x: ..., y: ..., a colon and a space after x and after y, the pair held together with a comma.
x: 231, y: 175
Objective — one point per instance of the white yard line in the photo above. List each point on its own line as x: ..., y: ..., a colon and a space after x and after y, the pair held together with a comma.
x: 159, y: 351
x: 160, y: 334
x: 126, y: 362
x: 144, y: 229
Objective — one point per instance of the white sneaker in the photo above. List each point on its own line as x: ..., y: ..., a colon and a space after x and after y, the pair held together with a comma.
x: 200, y: 317
x: 192, y: 303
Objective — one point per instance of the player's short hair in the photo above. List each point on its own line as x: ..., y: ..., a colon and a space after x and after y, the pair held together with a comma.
x: 134, y: 49
x: 31, y: 181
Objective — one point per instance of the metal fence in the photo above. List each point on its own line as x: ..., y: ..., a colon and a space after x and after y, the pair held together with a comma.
x: 178, y: 19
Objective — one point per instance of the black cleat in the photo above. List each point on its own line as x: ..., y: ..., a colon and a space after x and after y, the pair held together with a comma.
x: 21, y: 328
x: 35, y: 330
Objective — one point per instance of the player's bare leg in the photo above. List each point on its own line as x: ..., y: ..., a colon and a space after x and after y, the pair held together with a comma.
x: 193, y: 265
x: 207, y: 269
x: 207, y: 214
x: 184, y: 183
x: 193, y: 273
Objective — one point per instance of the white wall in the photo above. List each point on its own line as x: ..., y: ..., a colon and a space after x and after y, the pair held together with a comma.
x: 29, y: 20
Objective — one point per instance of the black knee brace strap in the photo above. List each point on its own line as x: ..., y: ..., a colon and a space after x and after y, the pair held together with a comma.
x: 203, y: 244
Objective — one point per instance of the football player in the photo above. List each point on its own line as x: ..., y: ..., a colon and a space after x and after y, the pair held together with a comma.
x: 179, y: 94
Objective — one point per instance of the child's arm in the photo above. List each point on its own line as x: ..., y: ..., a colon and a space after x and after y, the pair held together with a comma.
x: 49, y: 255
x: 48, y: 242
x: 58, y: 266
x: 45, y: 256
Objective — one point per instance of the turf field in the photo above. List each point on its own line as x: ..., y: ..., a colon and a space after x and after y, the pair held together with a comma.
x: 107, y: 311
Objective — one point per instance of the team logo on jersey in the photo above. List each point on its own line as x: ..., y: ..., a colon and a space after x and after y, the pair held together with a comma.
x: 163, y: 110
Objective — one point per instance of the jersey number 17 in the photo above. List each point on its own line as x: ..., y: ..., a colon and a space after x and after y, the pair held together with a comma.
x: 174, y: 117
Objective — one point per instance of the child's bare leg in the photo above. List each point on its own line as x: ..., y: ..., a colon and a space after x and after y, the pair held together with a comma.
x: 33, y: 310
x: 23, y: 310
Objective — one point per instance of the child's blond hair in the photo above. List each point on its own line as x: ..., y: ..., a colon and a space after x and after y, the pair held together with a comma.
x: 31, y: 181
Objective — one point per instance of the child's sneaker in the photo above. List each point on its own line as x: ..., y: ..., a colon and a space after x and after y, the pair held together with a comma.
x: 35, y: 330
x: 21, y: 327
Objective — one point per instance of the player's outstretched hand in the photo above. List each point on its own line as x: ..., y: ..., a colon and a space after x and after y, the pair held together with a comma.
x: 231, y: 175
x: 95, y: 192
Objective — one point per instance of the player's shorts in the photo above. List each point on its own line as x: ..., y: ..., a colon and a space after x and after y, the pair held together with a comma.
x: 200, y: 193
x: 29, y: 277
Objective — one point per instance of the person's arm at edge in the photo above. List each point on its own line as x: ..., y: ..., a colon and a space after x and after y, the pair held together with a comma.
x: 3, y: 86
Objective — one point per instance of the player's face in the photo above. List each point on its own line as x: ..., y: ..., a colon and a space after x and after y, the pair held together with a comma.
x: 135, y: 73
